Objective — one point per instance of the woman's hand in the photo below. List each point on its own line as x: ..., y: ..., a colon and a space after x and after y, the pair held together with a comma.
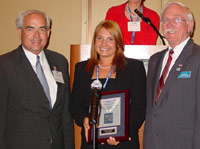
x: 86, y: 127
x: 112, y: 141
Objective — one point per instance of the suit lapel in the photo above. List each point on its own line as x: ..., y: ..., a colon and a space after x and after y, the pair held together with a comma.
x: 157, y: 65
x: 53, y: 65
x: 25, y: 70
x: 181, y: 61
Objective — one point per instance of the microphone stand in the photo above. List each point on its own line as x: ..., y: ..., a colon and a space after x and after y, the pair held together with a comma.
x: 94, y: 136
x: 94, y: 114
x: 94, y: 144
x: 148, y: 21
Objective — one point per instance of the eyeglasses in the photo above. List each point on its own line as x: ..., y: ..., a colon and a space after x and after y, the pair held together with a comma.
x: 174, y: 21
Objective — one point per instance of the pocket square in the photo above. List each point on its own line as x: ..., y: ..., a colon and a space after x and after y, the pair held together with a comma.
x: 184, y: 74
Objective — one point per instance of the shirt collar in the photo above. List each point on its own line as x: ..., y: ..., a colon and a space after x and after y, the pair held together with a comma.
x: 33, y: 58
x: 178, y: 49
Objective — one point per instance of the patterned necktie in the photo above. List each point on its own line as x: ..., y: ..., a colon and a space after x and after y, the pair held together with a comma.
x: 43, y: 80
x: 163, y: 76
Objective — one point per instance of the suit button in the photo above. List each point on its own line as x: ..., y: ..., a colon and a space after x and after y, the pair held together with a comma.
x: 49, y: 118
x: 155, y: 135
x: 50, y: 140
x: 155, y: 115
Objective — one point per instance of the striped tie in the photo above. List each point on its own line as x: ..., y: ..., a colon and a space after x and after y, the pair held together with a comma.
x: 163, y: 76
x: 43, y: 80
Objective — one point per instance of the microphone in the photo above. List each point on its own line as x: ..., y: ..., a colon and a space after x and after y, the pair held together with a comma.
x: 94, y: 100
x: 148, y: 21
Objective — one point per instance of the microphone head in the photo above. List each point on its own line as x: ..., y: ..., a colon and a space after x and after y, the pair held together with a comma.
x: 136, y: 10
x: 96, y: 84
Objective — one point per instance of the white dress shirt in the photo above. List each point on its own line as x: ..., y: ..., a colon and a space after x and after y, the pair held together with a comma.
x: 47, y: 72
x: 177, y: 51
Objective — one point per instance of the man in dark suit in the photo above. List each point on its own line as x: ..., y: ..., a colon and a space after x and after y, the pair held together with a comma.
x: 30, y: 117
x: 173, y: 109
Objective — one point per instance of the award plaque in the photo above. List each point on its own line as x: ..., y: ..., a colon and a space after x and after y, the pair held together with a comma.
x: 113, y: 117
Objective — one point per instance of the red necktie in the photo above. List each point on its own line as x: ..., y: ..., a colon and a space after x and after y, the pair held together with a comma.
x: 163, y: 76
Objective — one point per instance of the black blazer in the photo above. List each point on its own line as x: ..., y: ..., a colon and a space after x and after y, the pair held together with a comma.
x: 26, y: 121
x: 133, y: 78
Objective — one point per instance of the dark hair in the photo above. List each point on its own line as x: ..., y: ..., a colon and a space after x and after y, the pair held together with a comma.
x: 119, y: 58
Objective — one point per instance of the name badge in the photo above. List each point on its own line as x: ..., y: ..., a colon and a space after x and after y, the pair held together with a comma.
x: 184, y: 74
x: 134, y: 26
x: 58, y: 76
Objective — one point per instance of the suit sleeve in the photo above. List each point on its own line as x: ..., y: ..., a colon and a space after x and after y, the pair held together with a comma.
x: 3, y: 108
x: 79, y: 106
x: 138, y: 97
x: 68, y: 127
x: 196, y: 142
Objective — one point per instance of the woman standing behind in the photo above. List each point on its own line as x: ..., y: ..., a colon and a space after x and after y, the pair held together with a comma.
x: 107, y: 58
x: 124, y: 14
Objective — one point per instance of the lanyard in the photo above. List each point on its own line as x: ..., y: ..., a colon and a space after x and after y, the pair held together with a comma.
x: 108, y: 77
x: 129, y: 11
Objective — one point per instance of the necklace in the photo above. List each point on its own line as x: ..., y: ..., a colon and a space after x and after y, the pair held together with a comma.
x: 108, y: 77
x: 104, y: 67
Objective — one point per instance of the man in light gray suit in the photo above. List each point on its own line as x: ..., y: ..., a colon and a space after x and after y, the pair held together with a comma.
x: 173, y: 120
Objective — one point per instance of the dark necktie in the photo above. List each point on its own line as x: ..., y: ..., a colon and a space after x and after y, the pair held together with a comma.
x: 43, y: 80
x: 163, y: 76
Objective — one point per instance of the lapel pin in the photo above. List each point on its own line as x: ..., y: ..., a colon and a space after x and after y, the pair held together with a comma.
x: 179, y: 67
x: 54, y: 68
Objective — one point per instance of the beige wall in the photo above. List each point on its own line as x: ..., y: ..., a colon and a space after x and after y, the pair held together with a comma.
x: 66, y: 26
x: 69, y: 20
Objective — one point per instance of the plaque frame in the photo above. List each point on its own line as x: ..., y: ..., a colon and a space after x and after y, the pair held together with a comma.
x: 119, y: 132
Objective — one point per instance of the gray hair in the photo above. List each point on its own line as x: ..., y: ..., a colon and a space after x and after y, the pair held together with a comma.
x: 20, y: 18
x: 189, y: 14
